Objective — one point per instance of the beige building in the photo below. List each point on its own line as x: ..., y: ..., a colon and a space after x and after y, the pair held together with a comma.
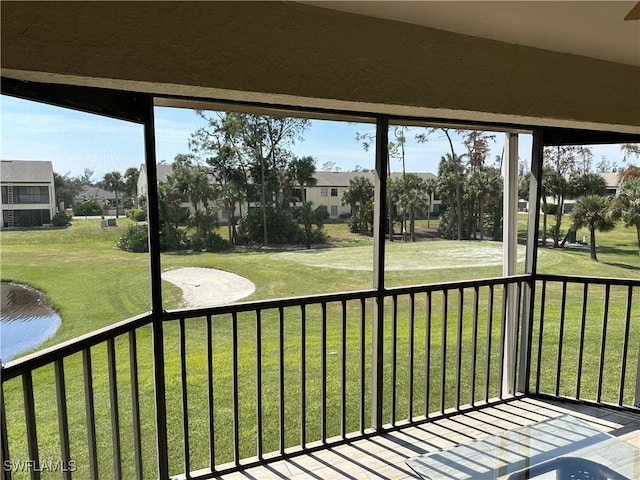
x: 28, y: 193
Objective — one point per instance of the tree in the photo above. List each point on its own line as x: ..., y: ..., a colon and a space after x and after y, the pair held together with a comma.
x: 413, y: 198
x: 630, y: 149
x: 626, y: 205
x: 591, y: 212
x: 192, y: 182
x: 67, y: 189
x: 302, y: 171
x: 114, y: 182
x: 367, y: 139
x: 562, y: 160
x: 449, y: 185
x: 359, y: 196
x: 130, y: 189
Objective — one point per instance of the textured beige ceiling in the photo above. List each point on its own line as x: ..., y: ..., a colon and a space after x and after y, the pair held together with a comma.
x: 590, y: 28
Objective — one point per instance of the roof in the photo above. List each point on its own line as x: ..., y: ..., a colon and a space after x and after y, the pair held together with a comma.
x: 611, y: 179
x: 338, y: 179
x: 96, y: 192
x: 26, y: 171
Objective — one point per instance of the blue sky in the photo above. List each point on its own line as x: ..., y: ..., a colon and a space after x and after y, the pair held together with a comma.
x: 74, y: 140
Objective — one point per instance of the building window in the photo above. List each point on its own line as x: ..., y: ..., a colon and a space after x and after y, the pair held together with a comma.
x: 334, y: 210
x: 334, y: 192
x: 22, y: 195
x: 324, y: 191
x: 28, y: 218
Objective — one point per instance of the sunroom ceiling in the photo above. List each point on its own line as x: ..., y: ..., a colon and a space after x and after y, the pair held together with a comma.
x: 594, y: 29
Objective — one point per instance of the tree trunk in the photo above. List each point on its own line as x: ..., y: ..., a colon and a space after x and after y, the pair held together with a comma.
x: 481, y: 222
x: 638, y: 235
x: 264, y: 203
x: 592, y: 246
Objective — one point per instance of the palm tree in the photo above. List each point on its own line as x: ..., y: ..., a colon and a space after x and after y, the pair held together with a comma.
x: 360, y: 196
x: 626, y: 205
x: 302, y: 171
x: 114, y: 182
x: 591, y: 212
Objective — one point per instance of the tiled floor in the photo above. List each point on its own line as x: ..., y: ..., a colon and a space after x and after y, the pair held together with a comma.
x: 383, y: 457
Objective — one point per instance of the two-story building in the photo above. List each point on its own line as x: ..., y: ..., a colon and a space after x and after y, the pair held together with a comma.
x: 327, y: 191
x: 28, y: 193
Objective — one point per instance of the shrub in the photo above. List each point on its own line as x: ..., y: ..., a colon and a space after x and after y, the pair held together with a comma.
x: 210, y: 242
x: 89, y: 208
x: 137, y: 215
x: 135, y: 239
x: 61, y: 219
x: 282, y: 228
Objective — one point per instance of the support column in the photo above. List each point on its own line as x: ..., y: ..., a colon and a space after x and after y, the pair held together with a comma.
x: 380, y: 195
x: 510, y: 258
x: 156, y: 292
x: 531, y: 261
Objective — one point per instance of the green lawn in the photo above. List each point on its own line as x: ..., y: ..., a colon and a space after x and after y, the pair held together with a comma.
x: 93, y: 284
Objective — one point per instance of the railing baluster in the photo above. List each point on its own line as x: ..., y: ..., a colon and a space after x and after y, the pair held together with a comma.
x: 63, y: 420
x: 343, y: 373
x: 184, y: 393
x: 236, y: 399
x: 281, y: 388
x: 135, y: 403
x: 363, y: 342
x: 113, y: 402
x: 563, y: 310
x: 90, y: 413
x: 604, y: 340
x: 487, y: 366
x: 394, y: 357
x: 30, y: 424
x: 4, y: 438
x: 259, y: 424
x: 443, y: 357
x: 323, y: 374
x: 625, y: 347
x: 459, y: 346
x: 412, y: 311
x: 503, y: 339
x: 517, y: 336
x: 543, y: 297
x: 427, y: 355
x: 303, y: 376
x: 210, y: 398
x: 474, y: 345
x: 583, y: 325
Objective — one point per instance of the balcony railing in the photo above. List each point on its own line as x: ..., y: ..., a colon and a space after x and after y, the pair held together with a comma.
x: 248, y: 383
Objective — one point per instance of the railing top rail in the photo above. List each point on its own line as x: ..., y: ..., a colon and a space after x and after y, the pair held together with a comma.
x: 597, y: 280
x: 49, y: 355
x: 337, y: 297
x: 268, y: 304
x: 434, y: 287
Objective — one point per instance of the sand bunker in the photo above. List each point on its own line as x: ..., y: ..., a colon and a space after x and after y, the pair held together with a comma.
x: 207, y: 287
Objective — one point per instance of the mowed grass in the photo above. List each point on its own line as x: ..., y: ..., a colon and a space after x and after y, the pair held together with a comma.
x: 93, y: 284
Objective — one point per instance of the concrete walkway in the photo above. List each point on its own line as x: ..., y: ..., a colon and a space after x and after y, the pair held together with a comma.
x: 207, y: 287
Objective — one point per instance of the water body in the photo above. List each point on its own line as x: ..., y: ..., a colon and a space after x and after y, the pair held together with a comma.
x: 25, y: 320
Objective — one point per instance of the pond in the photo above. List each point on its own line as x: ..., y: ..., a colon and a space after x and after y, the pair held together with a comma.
x: 25, y: 320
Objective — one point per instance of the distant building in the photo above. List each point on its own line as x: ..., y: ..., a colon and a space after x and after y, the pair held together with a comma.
x: 28, y: 193
x: 330, y: 186
x: 327, y: 191
x: 103, y: 196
